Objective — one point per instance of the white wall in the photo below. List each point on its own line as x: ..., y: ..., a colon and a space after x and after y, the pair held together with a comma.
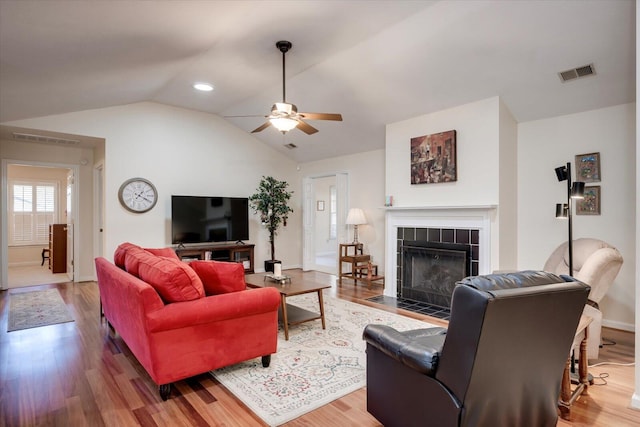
x: 508, y: 187
x: 478, y: 135
x: 486, y: 154
x: 635, y: 400
x: 181, y: 152
x: 366, y: 191
x: 546, y: 144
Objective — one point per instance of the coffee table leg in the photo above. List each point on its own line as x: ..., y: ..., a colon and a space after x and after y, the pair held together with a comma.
x: 321, y: 302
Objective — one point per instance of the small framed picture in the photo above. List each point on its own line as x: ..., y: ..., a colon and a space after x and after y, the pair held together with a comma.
x: 590, y: 205
x: 588, y: 167
x: 320, y: 205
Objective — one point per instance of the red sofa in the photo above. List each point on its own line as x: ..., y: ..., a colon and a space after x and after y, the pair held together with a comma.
x: 180, y: 319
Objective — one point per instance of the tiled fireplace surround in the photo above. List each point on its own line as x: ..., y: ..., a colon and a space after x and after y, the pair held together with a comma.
x: 463, y: 224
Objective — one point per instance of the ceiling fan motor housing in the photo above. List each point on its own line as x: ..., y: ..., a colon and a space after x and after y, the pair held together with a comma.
x: 284, y: 108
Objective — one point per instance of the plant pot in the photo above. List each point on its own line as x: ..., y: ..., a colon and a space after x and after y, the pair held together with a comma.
x: 268, y: 265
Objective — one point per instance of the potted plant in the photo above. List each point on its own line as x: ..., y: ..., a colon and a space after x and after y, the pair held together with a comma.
x: 271, y: 202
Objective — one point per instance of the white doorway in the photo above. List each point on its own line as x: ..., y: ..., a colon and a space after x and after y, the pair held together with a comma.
x: 25, y: 261
x: 325, y: 230
x: 324, y: 212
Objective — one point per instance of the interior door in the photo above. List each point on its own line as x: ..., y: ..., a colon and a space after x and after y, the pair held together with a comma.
x: 308, y: 217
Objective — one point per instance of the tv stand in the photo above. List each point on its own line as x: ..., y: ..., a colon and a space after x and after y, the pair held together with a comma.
x: 232, y: 252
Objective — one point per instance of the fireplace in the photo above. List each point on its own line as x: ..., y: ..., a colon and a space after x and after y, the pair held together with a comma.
x: 465, y: 225
x: 430, y: 270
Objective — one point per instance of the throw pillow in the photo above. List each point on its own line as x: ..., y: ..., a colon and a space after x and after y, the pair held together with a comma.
x: 174, y: 280
x: 219, y: 277
x: 132, y: 259
x: 121, y: 252
x: 165, y: 252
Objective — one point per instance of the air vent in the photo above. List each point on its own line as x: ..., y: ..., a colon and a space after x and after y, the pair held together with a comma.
x: 575, y: 73
x: 291, y: 146
x: 44, y: 139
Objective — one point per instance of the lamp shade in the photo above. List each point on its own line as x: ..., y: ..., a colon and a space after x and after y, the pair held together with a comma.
x: 561, y: 173
x: 562, y: 210
x: 577, y: 190
x: 356, y: 217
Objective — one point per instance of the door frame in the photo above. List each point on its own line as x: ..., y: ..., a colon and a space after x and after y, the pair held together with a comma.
x: 4, y: 206
x: 308, y: 214
x: 98, y: 209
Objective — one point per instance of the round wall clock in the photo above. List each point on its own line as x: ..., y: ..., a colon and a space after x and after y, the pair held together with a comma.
x: 138, y: 195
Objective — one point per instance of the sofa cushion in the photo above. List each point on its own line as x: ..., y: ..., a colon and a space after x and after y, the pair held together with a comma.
x: 219, y: 277
x: 121, y: 252
x: 132, y: 258
x: 174, y: 280
x: 165, y: 252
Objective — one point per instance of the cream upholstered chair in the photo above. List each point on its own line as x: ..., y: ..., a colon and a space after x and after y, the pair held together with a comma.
x: 595, y: 263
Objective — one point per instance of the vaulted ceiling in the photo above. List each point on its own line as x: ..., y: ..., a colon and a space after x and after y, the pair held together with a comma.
x: 375, y: 62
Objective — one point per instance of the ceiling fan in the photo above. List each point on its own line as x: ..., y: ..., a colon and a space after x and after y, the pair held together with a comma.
x: 285, y: 116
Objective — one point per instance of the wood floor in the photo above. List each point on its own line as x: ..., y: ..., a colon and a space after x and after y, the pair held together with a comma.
x: 74, y: 374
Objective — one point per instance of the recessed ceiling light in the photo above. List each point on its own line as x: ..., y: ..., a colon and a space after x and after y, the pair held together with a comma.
x: 204, y: 87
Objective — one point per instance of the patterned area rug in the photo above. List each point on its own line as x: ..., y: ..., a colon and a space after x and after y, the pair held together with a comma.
x: 315, y: 366
x: 37, y: 308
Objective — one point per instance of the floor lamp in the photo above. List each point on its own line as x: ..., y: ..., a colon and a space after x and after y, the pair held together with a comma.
x: 575, y: 190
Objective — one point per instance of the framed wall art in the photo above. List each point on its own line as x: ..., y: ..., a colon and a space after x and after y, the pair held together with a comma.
x: 590, y: 205
x: 588, y: 167
x: 320, y: 205
x: 433, y: 158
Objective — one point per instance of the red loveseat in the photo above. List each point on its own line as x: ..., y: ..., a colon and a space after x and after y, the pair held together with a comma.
x: 180, y: 319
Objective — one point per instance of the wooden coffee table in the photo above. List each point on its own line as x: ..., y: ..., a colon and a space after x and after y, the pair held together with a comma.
x: 291, y: 314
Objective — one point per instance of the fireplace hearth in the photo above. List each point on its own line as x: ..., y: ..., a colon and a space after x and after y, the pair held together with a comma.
x: 431, y: 270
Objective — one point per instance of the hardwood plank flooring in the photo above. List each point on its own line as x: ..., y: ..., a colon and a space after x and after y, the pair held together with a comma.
x: 76, y: 374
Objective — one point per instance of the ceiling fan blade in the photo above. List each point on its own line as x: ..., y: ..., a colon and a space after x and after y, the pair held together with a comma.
x: 253, y: 115
x: 262, y: 127
x: 306, y: 128
x: 322, y: 116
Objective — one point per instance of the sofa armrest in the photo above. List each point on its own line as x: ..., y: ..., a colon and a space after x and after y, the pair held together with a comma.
x: 214, y: 308
x: 418, y: 349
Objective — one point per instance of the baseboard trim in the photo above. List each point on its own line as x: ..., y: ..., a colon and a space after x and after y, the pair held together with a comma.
x: 23, y: 264
x: 629, y: 327
x: 635, y: 400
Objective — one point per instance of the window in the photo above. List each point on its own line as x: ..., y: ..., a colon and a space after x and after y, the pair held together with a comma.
x: 33, y: 208
x: 333, y: 209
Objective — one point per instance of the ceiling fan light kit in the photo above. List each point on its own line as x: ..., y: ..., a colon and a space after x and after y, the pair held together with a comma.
x: 283, y: 124
x: 284, y: 116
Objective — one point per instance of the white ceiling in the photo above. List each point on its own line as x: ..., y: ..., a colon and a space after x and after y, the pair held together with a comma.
x: 376, y: 62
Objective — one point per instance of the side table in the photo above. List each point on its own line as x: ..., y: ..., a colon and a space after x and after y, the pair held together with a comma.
x: 351, y: 253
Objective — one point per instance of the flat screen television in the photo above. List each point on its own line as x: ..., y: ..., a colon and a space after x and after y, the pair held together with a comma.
x: 197, y: 219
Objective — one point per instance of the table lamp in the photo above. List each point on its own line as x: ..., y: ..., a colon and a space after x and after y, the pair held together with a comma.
x: 356, y: 218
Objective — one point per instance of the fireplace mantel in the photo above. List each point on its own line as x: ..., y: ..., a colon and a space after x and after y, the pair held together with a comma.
x: 478, y: 217
x: 440, y: 208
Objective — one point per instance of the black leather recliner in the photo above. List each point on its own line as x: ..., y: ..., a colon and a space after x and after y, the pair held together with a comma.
x: 499, y: 362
